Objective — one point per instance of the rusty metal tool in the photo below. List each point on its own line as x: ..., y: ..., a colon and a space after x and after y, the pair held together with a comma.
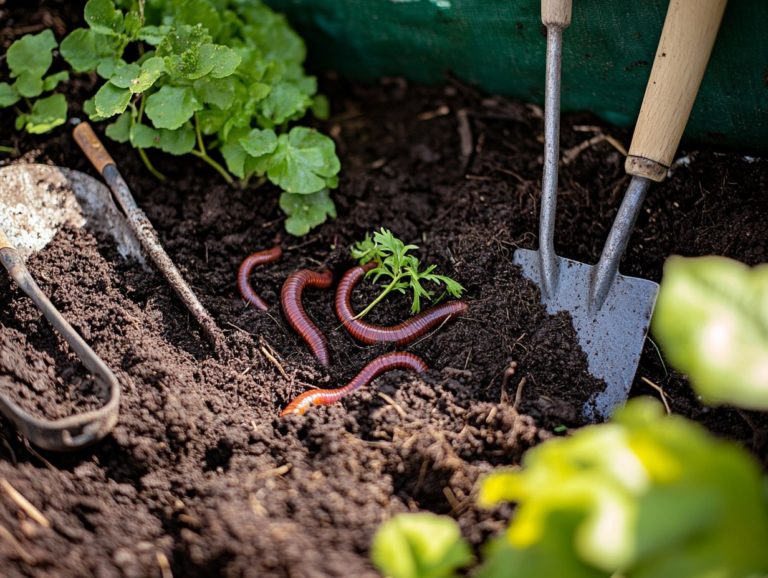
x: 76, y: 431
x: 611, y: 312
x: 145, y: 232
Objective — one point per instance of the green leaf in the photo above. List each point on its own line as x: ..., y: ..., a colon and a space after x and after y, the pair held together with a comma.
x: 321, y: 108
x: 151, y: 69
x: 420, y: 546
x: 179, y: 141
x: 133, y: 22
x: 259, y: 142
x: 84, y: 49
x: 103, y: 17
x: 111, y: 100
x: 153, y: 35
x: 52, y: 81
x: 306, y: 212
x: 144, y: 137
x: 711, y: 321
x: 220, y: 92
x: 285, y: 102
x: 194, y: 11
x: 47, y: 113
x: 8, y: 95
x: 171, y: 106
x: 234, y: 154
x: 29, y: 85
x: 124, y: 75
x: 119, y: 131
x: 223, y: 60
x: 138, y: 78
x: 31, y: 54
x: 647, y: 496
x: 303, y: 161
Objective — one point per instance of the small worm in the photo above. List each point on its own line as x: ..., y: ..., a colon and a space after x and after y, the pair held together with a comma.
x: 402, y: 333
x: 382, y: 364
x: 290, y: 297
x: 258, y: 258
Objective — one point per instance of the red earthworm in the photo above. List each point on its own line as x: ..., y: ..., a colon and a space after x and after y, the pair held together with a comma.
x: 402, y: 333
x: 290, y: 297
x: 382, y: 364
x: 258, y: 258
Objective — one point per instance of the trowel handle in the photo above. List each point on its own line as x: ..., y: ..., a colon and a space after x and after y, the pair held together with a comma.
x: 686, y: 42
x: 556, y: 13
x: 92, y: 147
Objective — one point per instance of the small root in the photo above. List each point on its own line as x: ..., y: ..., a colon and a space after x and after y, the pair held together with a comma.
x: 661, y: 393
x: 25, y: 505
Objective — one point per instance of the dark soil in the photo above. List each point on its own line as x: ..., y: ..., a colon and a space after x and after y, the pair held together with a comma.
x: 200, y: 477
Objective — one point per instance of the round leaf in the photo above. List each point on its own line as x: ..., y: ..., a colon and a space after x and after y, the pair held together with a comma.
x: 47, y: 113
x: 171, y: 106
x: 111, y: 100
x: 31, y: 54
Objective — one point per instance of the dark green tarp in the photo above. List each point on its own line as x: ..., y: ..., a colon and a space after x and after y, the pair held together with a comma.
x: 499, y: 46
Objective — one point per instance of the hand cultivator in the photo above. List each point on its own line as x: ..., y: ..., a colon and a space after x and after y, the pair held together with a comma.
x: 76, y: 431
x: 610, y: 311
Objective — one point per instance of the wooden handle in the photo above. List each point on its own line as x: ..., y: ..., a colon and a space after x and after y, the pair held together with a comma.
x: 686, y: 42
x: 556, y: 13
x: 92, y: 147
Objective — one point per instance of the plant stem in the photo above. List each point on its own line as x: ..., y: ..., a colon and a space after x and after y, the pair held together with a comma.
x: 9, y: 150
x: 145, y: 159
x: 378, y: 299
x: 201, y: 153
x: 219, y: 169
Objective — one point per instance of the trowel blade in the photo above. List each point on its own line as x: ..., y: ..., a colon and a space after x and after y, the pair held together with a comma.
x: 37, y: 200
x: 612, y: 337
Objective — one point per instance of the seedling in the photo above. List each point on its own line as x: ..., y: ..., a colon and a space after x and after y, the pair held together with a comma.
x: 397, y: 270
x: 29, y: 59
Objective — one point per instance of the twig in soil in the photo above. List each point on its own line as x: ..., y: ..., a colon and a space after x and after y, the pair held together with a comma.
x: 20, y: 550
x: 572, y: 153
x: 519, y: 393
x: 451, y: 497
x: 274, y: 362
x: 164, y: 565
x: 392, y: 403
x: 25, y: 505
x: 274, y: 472
x: 661, y: 359
x: 661, y: 393
x: 430, y: 114
x: 466, y: 140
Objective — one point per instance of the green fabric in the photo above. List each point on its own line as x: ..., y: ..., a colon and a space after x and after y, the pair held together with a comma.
x: 499, y: 46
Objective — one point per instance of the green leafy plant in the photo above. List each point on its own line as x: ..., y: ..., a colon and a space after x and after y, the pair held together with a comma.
x: 420, y: 546
x: 398, y: 270
x: 646, y: 496
x: 711, y: 321
x: 194, y: 77
x: 29, y: 60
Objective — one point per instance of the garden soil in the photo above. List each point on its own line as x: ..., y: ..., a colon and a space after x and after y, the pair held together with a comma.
x: 200, y: 477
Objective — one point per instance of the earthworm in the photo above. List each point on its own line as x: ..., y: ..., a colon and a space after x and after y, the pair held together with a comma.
x: 258, y: 258
x: 290, y: 297
x: 402, y: 333
x: 382, y: 364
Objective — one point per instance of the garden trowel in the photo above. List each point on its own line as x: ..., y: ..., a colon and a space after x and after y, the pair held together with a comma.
x: 35, y: 202
x: 611, y: 312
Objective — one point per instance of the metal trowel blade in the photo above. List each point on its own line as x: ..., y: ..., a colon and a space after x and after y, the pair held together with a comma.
x: 37, y: 200
x: 612, y: 337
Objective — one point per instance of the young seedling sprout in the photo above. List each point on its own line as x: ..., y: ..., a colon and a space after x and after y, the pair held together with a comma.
x: 398, y: 270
